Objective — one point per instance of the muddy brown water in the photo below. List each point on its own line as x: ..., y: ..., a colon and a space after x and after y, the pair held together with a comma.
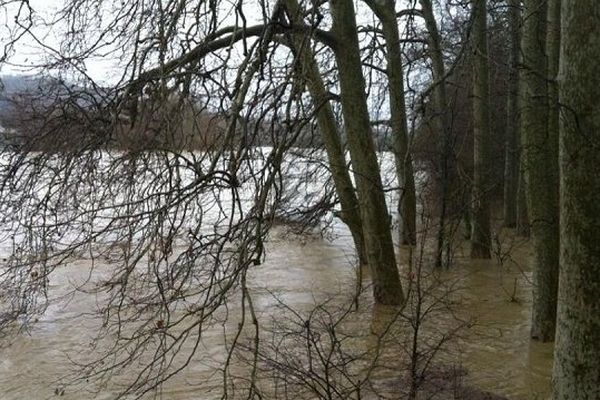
x: 494, y: 349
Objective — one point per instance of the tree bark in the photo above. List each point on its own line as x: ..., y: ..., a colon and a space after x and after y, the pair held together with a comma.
x: 350, y: 213
x: 541, y: 172
x: 577, y: 349
x: 481, y: 236
x: 523, y: 228
x: 376, y: 224
x: 407, y: 207
x: 511, y: 164
x: 552, y: 59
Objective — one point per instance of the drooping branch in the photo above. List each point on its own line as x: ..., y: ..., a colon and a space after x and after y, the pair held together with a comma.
x: 216, y: 42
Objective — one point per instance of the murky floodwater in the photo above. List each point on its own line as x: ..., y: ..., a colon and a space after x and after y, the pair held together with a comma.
x: 493, y: 347
x: 497, y: 350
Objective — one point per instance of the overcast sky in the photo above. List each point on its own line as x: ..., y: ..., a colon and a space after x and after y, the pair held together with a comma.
x: 29, y: 53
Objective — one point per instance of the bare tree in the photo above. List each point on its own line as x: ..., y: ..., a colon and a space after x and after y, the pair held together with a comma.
x: 541, y: 171
x: 378, y: 241
x: 386, y: 13
x: 350, y: 212
x: 442, y: 122
x: 511, y: 170
x: 481, y: 237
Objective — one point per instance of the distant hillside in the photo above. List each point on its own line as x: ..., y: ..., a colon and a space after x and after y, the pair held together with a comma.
x: 16, y: 83
x: 12, y: 84
x: 44, y: 113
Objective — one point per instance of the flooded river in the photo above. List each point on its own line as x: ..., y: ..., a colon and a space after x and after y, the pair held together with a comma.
x: 492, y: 347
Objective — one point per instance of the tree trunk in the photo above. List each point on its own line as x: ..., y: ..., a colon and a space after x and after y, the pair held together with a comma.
x: 376, y: 224
x: 541, y: 171
x: 407, y: 207
x: 481, y: 237
x: 441, y: 123
x: 511, y: 165
x: 577, y: 349
x: 523, y: 228
x: 552, y: 59
x: 350, y: 213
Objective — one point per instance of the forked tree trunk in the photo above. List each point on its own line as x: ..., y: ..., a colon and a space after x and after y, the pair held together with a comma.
x: 481, y: 237
x: 376, y: 224
x: 577, y: 349
x: 350, y: 213
x: 511, y: 161
x: 541, y: 171
x: 407, y: 206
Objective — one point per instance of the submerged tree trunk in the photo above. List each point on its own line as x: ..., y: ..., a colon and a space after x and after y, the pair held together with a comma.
x: 441, y: 123
x: 407, y: 207
x: 376, y: 224
x: 511, y: 164
x: 577, y: 350
x: 541, y: 171
x: 350, y: 213
x: 481, y: 237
